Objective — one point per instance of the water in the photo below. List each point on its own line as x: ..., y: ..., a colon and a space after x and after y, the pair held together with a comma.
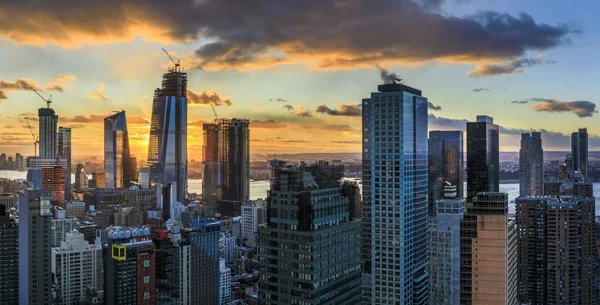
x: 258, y: 189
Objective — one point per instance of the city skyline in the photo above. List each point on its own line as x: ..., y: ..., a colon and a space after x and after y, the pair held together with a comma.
x: 290, y: 96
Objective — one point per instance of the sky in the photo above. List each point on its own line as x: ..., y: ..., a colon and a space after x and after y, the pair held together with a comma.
x: 299, y: 69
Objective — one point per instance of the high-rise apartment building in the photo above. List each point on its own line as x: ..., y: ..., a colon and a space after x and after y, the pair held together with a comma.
x: 488, y: 253
x: 445, y: 158
x: 130, y: 267
x: 211, y: 178
x: 167, y: 150
x: 61, y: 225
x: 579, y: 152
x: 35, y: 247
x: 225, y: 284
x: 253, y: 215
x: 81, y: 179
x: 76, y: 266
x: 64, y: 152
x: 118, y: 166
x: 228, y: 247
x: 48, y: 123
x: 9, y: 200
x: 234, y: 157
x: 531, y: 165
x: 53, y: 179
x: 173, y: 265
x: 9, y: 262
x: 483, y: 157
x: 309, y: 251
x: 394, y: 209
x: 444, y: 252
x: 204, y: 282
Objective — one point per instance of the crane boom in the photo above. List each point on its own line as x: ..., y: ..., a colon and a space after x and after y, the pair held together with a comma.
x: 35, y: 139
x: 175, y: 62
x: 214, y: 112
x: 48, y: 101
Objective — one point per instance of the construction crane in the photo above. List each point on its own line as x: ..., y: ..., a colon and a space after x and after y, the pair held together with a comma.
x: 48, y: 101
x: 175, y: 62
x: 214, y: 112
x: 36, y: 140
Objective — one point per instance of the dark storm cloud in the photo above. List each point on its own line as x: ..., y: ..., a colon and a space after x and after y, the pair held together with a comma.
x: 582, y: 109
x: 207, y: 98
x: 433, y: 107
x: 481, y: 90
x: 340, y: 110
x: 512, y: 67
x: 262, y: 33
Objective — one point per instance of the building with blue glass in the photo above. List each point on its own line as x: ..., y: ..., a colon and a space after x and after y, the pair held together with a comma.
x: 167, y: 149
x: 204, y: 280
x: 445, y: 166
x: 118, y: 166
x: 395, y: 196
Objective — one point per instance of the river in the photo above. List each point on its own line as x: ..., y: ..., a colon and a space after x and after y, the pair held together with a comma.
x: 258, y: 189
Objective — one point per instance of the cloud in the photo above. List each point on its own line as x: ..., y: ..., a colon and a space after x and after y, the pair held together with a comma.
x: 481, y: 90
x: 582, y: 109
x: 345, y: 128
x: 511, y: 67
x: 18, y: 84
x: 280, y: 100
x: 447, y: 123
x: 75, y: 126
x: 341, y: 110
x: 267, y: 124
x: 99, y: 94
x: 387, y: 77
x: 347, y: 142
x: 263, y: 33
x: 93, y: 118
x: 206, y: 98
x: 288, y: 107
x: 54, y: 86
x: 137, y: 120
x: 433, y: 107
x: 59, y: 82
x: 302, y: 112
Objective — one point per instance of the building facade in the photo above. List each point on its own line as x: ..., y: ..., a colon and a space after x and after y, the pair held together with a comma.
x: 488, y: 253
x: 483, y: 156
x: 167, y: 150
x: 76, y: 265
x: 309, y: 251
x: 211, y: 178
x: 445, y: 159
x: 394, y: 193
x: 81, y: 180
x: 204, y: 241
x: 53, y: 179
x: 61, y: 225
x: 48, y: 124
x: 225, y: 284
x: 531, y: 165
x: 119, y: 168
x: 579, y: 152
x: 234, y: 156
x: 64, y: 152
x: 9, y: 264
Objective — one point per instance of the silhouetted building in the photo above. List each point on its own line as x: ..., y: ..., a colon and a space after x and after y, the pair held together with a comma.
x: 579, y: 152
x: 81, y: 180
x: 204, y: 240
x: 483, y: 157
x: 9, y: 258
x: 64, y: 152
x: 306, y: 203
x: 173, y: 266
x: 119, y: 169
x: 234, y: 158
x: 445, y: 158
x: 211, y: 178
x: 531, y: 165
x: 167, y: 150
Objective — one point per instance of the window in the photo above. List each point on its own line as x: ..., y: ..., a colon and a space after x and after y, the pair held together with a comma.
x: 146, y: 263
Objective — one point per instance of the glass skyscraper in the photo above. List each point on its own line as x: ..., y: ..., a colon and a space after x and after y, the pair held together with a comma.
x: 445, y: 166
x: 395, y: 196
x: 118, y: 166
x: 483, y: 157
x: 47, y: 133
x: 211, y: 178
x: 531, y: 165
x: 167, y: 150
x: 579, y: 151
x: 234, y: 155
x: 64, y: 152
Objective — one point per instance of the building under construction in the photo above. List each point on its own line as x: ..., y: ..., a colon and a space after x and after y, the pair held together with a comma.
x: 234, y: 160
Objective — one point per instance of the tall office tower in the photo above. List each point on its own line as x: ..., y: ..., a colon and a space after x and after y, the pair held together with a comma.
x: 483, y: 157
x: 64, y: 152
x: 98, y: 180
x: 173, y: 268
x: 48, y: 133
x: 557, y: 250
x: 444, y: 252
x: 130, y: 267
x: 351, y: 189
x: 211, y: 178
x: 488, y: 253
x: 234, y: 155
x: 306, y: 206
x: 579, y: 151
x: 35, y: 247
x: 204, y: 240
x: 395, y: 196
x: 80, y: 177
x: 76, y: 265
x: 445, y: 160
x: 61, y: 225
x: 53, y: 179
x: 9, y: 264
x: 118, y: 166
x: 167, y: 150
x: 531, y: 165
x: 225, y: 284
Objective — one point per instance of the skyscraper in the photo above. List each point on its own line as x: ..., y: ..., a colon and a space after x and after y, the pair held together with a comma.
x: 301, y: 259
x: 53, y: 179
x: 395, y: 196
x: 234, y: 156
x: 531, y: 165
x: 445, y: 165
x: 80, y: 177
x: 118, y: 166
x: 483, y: 157
x: 225, y: 284
x: 47, y: 133
x: 61, y: 225
x: 211, y: 178
x: 64, y: 152
x: 167, y: 150
x: 204, y: 240
x: 488, y: 253
x: 9, y: 262
x: 35, y: 247
x: 579, y: 151
x: 76, y: 266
